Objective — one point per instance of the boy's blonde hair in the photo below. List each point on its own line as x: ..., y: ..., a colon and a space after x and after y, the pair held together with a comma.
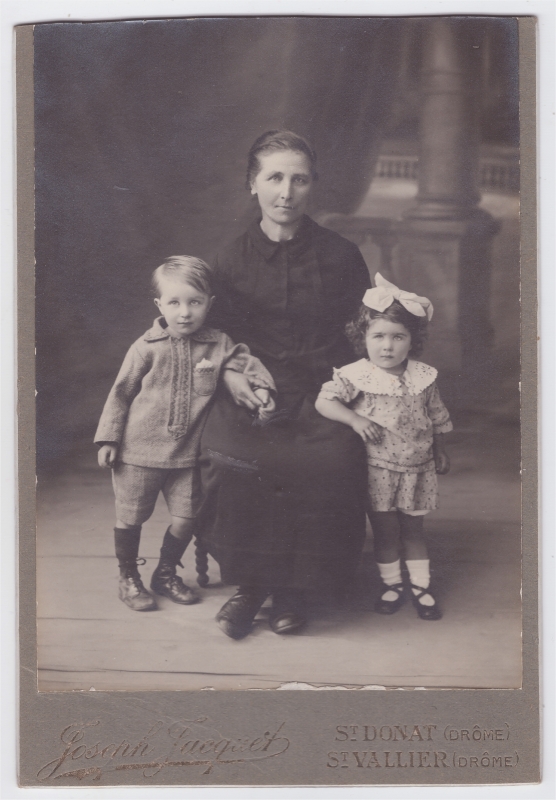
x: 185, y: 269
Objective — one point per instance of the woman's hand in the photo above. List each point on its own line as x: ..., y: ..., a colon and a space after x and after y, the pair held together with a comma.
x: 107, y: 455
x: 263, y: 395
x: 239, y: 387
x: 368, y: 430
x: 441, y: 458
x: 268, y: 405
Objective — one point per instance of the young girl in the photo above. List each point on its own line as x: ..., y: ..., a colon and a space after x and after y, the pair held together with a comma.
x: 393, y: 403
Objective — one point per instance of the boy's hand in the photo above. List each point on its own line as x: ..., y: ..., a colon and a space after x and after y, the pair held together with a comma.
x: 368, y: 430
x: 442, y: 462
x: 107, y: 455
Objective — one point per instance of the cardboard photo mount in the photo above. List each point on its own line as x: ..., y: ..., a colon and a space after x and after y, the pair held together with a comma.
x: 277, y: 738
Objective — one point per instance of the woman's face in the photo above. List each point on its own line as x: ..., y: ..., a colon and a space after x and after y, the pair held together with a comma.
x: 283, y: 186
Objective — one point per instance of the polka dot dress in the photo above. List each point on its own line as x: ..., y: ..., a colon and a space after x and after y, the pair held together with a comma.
x: 410, y: 412
x: 408, y: 491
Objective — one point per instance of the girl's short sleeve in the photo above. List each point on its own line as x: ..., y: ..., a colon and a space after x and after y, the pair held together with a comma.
x: 437, y: 411
x: 339, y: 388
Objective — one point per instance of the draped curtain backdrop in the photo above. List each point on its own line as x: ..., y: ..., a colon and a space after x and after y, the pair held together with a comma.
x: 142, y: 131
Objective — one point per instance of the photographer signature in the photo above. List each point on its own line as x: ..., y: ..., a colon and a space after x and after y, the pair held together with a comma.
x: 188, y: 743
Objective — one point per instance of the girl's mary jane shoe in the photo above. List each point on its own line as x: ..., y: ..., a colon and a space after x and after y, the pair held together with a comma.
x: 390, y: 606
x: 425, y: 612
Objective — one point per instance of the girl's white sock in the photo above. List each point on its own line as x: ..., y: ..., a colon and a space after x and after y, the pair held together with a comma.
x: 419, y: 575
x: 390, y: 574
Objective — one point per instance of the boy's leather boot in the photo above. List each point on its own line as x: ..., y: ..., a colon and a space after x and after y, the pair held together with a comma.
x: 130, y: 587
x: 164, y: 580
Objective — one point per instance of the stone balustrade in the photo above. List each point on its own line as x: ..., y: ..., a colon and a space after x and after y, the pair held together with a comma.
x: 496, y: 174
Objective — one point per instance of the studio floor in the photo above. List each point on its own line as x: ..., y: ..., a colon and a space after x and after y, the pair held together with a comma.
x: 88, y: 640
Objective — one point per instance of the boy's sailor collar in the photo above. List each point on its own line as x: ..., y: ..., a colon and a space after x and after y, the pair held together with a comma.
x: 367, y: 377
x: 160, y: 331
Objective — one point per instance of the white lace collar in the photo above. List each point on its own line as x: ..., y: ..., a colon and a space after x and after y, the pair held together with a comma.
x: 367, y: 377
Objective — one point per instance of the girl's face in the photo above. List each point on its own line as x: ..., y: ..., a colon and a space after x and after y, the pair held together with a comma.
x: 283, y: 186
x: 388, y: 343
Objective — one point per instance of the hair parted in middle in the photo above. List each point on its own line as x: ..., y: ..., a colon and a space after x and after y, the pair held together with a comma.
x: 356, y: 330
x: 272, y: 141
x: 184, y: 269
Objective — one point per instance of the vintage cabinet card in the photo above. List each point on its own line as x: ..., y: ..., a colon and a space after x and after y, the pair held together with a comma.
x: 403, y: 147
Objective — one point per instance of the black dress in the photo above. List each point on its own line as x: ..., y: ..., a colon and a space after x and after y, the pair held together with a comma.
x: 285, y: 502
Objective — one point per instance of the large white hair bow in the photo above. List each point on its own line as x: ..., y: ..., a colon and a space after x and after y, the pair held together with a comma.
x: 384, y: 293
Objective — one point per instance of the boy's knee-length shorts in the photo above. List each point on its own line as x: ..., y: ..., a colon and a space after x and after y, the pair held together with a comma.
x: 137, y: 490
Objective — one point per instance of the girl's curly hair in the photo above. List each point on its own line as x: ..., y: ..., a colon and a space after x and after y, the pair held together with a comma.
x: 356, y: 330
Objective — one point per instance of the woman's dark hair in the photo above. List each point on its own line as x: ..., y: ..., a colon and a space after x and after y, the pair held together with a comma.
x: 270, y: 142
x: 417, y: 327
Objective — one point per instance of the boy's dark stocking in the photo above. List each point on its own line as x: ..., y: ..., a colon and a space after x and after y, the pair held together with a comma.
x: 386, y: 534
x: 164, y: 579
x: 130, y: 587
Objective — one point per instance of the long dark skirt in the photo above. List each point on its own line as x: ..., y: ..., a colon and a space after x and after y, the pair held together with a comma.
x: 284, y: 503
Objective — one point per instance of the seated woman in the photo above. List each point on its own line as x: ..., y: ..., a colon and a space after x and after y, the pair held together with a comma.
x: 285, y: 494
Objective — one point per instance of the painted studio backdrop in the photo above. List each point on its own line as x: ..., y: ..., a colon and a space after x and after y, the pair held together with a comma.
x: 142, y: 131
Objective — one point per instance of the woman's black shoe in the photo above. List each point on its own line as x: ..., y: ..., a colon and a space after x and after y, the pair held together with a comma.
x: 286, y: 614
x: 237, y: 614
x: 425, y: 612
x: 390, y: 606
x: 288, y: 622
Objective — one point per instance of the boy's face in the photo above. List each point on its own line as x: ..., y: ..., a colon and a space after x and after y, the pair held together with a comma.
x: 183, y: 307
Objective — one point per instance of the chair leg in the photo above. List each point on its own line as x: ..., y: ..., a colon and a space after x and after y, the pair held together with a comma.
x: 201, y: 563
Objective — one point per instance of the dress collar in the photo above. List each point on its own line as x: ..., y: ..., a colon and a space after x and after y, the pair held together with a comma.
x: 300, y: 242
x: 367, y: 377
x: 159, y: 331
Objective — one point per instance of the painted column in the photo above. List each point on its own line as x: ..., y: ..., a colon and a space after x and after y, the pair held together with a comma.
x: 448, y: 157
x: 444, y: 240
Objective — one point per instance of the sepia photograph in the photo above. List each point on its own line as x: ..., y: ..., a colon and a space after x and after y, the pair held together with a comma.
x: 277, y: 265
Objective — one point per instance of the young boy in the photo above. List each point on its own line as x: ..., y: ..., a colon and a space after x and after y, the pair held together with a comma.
x: 151, y: 425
